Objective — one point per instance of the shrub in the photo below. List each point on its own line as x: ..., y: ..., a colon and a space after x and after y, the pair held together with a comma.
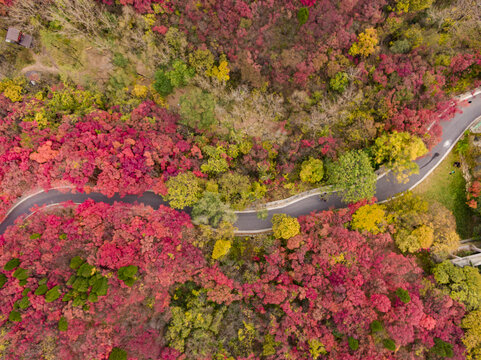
x: 12, y: 264
x: 53, y: 294
x: 403, y: 295
x: 127, y: 274
x: 62, y: 324
x: 303, y: 15
x: 14, y: 316
x: 20, y: 274
x: 120, y: 60
x: 389, y: 344
x: 376, y: 326
x: 3, y: 280
x: 353, y: 343
x: 118, y: 354
x: 442, y: 348
x: 12, y: 89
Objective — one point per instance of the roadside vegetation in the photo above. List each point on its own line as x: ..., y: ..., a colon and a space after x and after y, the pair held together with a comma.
x: 449, y: 188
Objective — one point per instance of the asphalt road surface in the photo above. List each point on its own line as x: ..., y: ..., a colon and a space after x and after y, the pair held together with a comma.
x: 247, y: 221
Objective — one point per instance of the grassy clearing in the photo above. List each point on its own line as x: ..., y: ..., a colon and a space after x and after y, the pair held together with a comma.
x: 449, y: 190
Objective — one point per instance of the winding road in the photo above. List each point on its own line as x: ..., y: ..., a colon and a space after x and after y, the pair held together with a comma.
x: 247, y: 221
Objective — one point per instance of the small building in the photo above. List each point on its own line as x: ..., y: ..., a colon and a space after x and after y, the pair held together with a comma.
x: 18, y: 37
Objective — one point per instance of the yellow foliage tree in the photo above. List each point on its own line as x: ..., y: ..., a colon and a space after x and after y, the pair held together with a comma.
x: 220, y: 72
x: 370, y: 218
x: 420, y: 238
x: 413, y: 5
x: 397, y: 151
x: 284, y: 226
x: 366, y: 44
x: 221, y: 248
x: 184, y: 190
x: 472, y: 336
x: 425, y: 236
x: 312, y: 171
x: 201, y: 60
x: 140, y: 91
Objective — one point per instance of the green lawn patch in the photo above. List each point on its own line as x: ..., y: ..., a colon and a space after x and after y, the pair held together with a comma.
x: 449, y: 190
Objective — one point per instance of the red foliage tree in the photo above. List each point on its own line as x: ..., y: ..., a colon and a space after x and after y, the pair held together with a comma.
x: 338, y: 282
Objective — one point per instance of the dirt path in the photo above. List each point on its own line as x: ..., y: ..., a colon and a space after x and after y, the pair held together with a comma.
x: 39, y: 68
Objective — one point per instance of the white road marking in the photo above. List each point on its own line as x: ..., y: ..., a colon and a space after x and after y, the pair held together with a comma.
x: 447, y: 143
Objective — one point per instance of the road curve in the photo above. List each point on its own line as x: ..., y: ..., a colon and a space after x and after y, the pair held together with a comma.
x: 247, y: 221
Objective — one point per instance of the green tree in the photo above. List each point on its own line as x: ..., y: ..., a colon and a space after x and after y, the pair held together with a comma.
x: 210, y: 210
x: 312, y: 171
x: 216, y: 162
x: 397, y: 151
x: 197, y: 109
x: 166, y: 80
x: 461, y: 283
x: 285, y: 226
x: 235, y: 189
x: 354, y: 175
x: 339, y: 82
x: 180, y: 74
x: 162, y: 83
x: 400, y: 46
x: 194, y: 325
x: 183, y: 190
